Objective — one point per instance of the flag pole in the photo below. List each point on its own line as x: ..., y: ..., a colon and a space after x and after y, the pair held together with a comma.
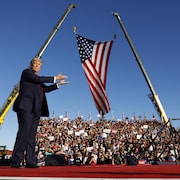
x: 53, y: 32
x: 153, y: 96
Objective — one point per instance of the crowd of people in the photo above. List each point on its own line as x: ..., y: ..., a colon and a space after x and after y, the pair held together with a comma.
x: 87, y: 142
x: 80, y: 141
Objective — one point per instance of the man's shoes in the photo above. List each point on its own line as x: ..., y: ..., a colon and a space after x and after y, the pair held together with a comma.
x: 16, y: 166
x: 32, y: 166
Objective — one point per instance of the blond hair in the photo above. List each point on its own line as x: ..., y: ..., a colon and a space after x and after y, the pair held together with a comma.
x: 35, y: 59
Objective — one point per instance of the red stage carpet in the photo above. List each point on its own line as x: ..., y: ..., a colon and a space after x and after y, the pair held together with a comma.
x: 98, y: 171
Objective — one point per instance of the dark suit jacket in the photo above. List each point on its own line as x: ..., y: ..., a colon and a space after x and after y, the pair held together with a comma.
x: 31, y: 96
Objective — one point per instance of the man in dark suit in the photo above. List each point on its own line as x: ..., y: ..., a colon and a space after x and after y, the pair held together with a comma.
x: 30, y: 105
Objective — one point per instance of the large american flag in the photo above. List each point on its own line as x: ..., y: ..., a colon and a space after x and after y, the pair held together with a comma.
x: 94, y: 57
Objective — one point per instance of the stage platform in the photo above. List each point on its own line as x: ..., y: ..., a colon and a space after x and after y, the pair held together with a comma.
x: 163, y: 171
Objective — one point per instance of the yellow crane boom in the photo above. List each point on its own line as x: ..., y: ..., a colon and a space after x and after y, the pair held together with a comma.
x: 8, y: 103
x: 153, y: 96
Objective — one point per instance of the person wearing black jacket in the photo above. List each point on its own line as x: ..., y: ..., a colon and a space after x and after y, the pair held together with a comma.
x: 29, y: 106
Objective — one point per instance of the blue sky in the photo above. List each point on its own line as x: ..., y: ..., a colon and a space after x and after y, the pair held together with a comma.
x: 153, y: 26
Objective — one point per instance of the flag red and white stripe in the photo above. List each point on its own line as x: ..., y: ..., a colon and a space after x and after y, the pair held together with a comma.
x: 94, y: 57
